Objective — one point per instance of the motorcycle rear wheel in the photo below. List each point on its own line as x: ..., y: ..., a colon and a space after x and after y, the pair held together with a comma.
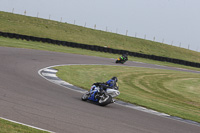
x: 105, y: 100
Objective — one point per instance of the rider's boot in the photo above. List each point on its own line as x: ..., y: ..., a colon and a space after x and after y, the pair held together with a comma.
x: 112, y: 101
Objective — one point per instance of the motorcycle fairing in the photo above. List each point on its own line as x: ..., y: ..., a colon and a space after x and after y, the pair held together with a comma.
x: 93, y: 92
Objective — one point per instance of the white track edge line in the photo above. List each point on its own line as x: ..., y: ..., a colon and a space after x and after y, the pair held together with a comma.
x: 27, y: 125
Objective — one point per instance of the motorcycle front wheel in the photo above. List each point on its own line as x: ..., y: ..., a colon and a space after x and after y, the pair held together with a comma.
x: 85, y: 97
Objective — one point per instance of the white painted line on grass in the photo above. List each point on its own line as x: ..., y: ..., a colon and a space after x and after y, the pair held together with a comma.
x: 27, y: 125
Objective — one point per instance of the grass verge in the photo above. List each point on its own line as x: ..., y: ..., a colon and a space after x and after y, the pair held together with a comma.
x: 10, y: 127
x: 171, y: 92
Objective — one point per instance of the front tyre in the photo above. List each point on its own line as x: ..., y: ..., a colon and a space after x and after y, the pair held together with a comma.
x: 105, y: 100
x: 85, y: 97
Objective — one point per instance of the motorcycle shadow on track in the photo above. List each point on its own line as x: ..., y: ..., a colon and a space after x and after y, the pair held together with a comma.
x: 119, y: 64
x: 97, y: 104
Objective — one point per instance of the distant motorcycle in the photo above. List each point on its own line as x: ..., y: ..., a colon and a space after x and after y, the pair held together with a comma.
x: 121, y: 60
x: 102, y: 98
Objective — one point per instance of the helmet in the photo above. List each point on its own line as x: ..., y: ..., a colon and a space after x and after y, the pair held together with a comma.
x: 115, y: 79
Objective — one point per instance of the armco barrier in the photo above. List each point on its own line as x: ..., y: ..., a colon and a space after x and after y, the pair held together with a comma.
x: 98, y: 48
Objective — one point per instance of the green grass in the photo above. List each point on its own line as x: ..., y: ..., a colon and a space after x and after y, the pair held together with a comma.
x: 10, y: 127
x: 171, y: 92
x: 67, y: 32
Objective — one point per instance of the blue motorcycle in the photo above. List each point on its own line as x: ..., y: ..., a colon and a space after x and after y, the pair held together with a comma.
x: 102, y: 98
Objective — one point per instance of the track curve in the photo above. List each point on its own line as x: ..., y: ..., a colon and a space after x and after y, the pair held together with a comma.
x: 28, y: 98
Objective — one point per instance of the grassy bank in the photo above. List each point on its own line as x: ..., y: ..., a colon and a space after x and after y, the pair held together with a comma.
x: 171, y: 92
x: 67, y: 32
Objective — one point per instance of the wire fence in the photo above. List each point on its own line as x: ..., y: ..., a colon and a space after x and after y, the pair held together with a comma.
x: 126, y: 32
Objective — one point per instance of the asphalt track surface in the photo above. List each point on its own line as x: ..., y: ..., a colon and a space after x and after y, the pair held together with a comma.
x: 28, y: 98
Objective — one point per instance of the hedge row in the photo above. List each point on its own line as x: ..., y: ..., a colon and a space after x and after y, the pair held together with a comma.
x: 98, y: 48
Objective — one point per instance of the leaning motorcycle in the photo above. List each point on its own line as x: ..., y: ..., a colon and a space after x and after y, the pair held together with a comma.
x: 121, y: 60
x: 104, y: 98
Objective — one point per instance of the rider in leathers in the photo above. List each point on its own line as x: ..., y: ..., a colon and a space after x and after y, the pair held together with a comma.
x: 124, y: 57
x: 112, y: 83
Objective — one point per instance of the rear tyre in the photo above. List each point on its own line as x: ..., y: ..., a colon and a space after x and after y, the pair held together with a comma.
x: 105, y: 100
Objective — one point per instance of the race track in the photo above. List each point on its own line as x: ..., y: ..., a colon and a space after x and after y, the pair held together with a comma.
x: 28, y: 98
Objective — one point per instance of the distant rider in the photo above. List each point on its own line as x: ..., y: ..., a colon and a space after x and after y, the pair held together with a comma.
x: 124, y: 57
